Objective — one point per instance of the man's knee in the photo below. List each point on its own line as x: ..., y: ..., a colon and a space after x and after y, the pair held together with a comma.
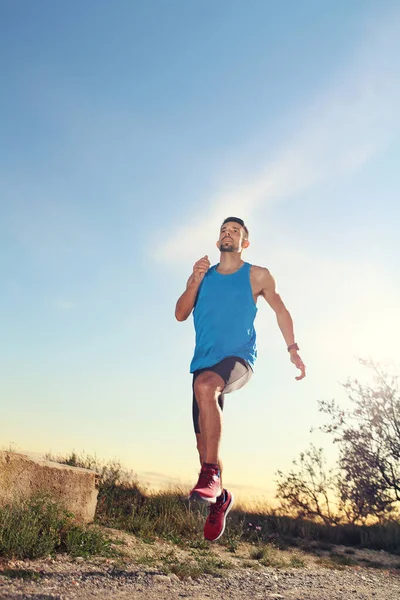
x: 208, y: 386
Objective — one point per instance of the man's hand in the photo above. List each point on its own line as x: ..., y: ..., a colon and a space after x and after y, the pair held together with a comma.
x: 200, y: 268
x: 296, y: 360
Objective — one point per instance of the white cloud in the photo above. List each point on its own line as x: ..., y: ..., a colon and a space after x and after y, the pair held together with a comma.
x: 340, y: 131
x: 342, y: 308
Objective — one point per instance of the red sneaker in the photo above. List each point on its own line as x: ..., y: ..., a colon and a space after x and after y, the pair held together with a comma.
x: 208, y: 487
x: 215, y: 523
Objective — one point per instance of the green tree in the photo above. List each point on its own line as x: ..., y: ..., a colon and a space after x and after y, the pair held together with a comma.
x: 366, y: 480
x: 309, y: 490
x: 368, y: 436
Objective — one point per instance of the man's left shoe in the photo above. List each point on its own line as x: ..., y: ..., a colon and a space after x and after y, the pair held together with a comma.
x: 216, y: 520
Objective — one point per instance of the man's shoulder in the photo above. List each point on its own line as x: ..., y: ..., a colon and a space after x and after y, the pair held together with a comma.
x: 261, y: 278
x: 260, y: 272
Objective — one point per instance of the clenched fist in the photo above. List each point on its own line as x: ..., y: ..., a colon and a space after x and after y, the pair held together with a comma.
x: 200, y: 268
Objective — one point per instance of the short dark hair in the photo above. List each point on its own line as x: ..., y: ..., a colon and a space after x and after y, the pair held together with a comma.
x: 237, y: 220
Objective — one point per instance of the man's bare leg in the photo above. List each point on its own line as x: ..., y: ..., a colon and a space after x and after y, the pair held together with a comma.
x: 208, y: 387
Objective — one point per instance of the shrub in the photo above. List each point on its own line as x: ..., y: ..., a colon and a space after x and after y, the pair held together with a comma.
x: 41, y: 526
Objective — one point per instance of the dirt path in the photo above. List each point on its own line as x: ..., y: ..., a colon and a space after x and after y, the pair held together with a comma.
x: 147, y: 572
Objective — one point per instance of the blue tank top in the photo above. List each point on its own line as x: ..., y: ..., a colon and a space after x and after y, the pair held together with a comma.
x: 223, y: 316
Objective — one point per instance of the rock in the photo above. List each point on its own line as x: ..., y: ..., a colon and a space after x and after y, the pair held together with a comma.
x: 22, y: 477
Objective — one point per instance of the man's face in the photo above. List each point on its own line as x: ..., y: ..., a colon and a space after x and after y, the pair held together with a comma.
x: 231, y: 237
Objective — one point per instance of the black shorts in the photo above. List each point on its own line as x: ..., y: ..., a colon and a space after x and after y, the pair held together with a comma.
x: 235, y: 372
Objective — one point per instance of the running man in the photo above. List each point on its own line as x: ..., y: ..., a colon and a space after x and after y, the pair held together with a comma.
x: 223, y: 300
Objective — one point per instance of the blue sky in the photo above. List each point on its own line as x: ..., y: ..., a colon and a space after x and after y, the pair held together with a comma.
x: 128, y: 131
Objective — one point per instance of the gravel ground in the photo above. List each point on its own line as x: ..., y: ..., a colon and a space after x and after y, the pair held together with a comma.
x: 64, y: 578
x: 89, y: 580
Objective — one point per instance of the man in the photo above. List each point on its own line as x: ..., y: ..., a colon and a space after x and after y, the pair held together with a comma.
x: 223, y: 300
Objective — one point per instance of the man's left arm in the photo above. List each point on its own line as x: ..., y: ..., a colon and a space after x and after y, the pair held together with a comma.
x: 283, y: 317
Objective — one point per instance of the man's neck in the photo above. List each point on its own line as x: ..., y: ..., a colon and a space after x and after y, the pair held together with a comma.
x: 229, y: 262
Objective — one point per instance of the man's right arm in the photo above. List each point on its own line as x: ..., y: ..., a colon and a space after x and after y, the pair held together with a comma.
x: 186, y: 302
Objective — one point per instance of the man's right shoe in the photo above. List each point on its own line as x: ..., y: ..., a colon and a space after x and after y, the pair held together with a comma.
x: 208, y: 487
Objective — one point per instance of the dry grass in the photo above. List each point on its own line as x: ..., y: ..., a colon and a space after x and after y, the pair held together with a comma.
x: 169, y: 516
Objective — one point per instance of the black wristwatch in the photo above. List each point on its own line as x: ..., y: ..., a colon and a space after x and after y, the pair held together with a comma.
x: 293, y: 347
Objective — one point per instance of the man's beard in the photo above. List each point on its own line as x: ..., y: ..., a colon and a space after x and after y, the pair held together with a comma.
x: 224, y: 248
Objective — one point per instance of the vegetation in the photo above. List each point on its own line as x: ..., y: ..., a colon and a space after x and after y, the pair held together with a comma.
x: 353, y: 505
x: 41, y: 527
x: 168, y: 515
x: 365, y: 485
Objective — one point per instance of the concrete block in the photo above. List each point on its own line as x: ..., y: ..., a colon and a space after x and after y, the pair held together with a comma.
x: 21, y: 477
